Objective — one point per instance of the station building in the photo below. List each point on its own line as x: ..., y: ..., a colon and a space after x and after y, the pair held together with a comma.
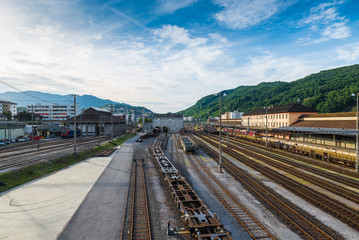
x: 327, y: 129
x: 98, y: 121
x: 169, y: 122
x: 275, y: 116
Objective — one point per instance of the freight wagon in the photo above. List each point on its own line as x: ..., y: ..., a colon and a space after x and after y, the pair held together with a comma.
x: 188, y: 145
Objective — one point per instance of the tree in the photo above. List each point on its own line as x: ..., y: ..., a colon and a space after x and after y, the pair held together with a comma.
x: 7, y: 114
x: 24, y: 116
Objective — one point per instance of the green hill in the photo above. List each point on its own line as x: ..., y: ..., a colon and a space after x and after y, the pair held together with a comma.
x: 326, y: 91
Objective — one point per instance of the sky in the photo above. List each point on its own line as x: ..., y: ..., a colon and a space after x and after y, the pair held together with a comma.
x: 167, y: 54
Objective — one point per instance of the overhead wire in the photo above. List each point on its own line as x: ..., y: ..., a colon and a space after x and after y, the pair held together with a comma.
x: 26, y: 93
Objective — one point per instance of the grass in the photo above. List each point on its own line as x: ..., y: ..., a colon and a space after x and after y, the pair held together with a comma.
x: 17, y: 177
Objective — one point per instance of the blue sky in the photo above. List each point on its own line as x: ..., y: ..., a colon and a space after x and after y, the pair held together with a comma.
x: 167, y: 54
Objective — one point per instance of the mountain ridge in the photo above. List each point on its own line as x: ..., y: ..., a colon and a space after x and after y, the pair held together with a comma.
x: 26, y: 98
x: 326, y: 91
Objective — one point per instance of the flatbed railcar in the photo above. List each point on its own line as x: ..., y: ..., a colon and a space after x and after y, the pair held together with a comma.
x: 203, y: 224
x: 188, y: 145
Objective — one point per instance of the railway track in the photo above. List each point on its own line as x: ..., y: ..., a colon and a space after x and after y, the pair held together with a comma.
x: 255, y: 229
x: 139, y: 217
x: 284, y: 155
x: 344, y: 213
x: 297, y: 218
x: 45, y: 153
x: 297, y: 169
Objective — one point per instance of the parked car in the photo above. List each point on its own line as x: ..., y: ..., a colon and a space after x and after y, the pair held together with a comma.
x: 2, y: 144
x: 26, y: 138
x: 21, y: 140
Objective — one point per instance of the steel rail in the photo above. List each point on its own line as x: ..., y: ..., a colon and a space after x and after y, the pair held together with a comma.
x: 53, y: 145
x: 284, y: 155
x: 36, y: 157
x: 140, y: 218
x: 255, y: 229
x: 292, y: 216
x: 280, y: 161
x: 324, y: 202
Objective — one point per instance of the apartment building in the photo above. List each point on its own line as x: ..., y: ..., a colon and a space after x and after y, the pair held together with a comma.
x: 8, y: 106
x: 53, y: 112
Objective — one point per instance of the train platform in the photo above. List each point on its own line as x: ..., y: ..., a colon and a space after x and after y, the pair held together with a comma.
x: 100, y: 214
x: 72, y: 201
x: 329, y: 149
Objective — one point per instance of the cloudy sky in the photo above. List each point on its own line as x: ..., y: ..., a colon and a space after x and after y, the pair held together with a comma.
x: 167, y: 54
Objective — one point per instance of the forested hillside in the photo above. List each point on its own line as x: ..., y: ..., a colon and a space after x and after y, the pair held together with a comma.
x: 326, y: 91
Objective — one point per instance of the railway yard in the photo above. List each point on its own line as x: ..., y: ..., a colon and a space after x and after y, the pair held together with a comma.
x: 169, y: 186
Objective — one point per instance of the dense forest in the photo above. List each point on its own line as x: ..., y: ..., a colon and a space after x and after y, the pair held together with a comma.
x: 326, y: 91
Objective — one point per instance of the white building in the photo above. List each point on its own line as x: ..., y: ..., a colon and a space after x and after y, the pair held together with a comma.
x: 235, y: 115
x: 188, y: 119
x: 8, y: 106
x: 169, y: 122
x: 53, y: 112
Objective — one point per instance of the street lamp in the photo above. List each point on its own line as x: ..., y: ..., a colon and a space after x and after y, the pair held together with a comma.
x: 220, y: 131
x: 357, y: 135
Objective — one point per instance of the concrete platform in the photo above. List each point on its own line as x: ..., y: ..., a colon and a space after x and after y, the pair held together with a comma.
x: 41, y: 209
x: 100, y: 214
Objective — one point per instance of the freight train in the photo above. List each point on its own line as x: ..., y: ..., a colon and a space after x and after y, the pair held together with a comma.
x: 203, y: 224
x: 69, y: 133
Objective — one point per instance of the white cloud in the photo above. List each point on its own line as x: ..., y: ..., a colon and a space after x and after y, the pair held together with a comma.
x: 246, y: 13
x: 167, y: 69
x: 170, y: 6
x: 325, y: 20
x: 349, y: 52
x: 268, y: 68
x: 178, y: 35
x: 217, y: 37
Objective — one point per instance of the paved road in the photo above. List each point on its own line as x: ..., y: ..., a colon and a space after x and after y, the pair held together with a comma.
x: 100, y: 214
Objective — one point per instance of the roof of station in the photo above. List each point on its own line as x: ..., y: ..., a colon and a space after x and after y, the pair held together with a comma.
x: 294, y: 107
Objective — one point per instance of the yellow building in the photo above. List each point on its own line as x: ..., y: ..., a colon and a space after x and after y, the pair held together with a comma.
x: 275, y: 116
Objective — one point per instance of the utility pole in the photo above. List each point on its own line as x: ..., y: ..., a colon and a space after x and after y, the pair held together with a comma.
x: 32, y: 122
x: 99, y: 131
x: 227, y: 128
x: 75, y: 130
x: 266, y: 126
x: 357, y: 137
x: 220, y: 133
x: 143, y: 119
x: 111, y: 121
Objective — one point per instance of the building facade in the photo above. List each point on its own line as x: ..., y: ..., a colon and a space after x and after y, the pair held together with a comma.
x: 98, y: 122
x: 188, y: 119
x: 53, y: 112
x: 169, y: 122
x: 8, y: 106
x: 275, y: 116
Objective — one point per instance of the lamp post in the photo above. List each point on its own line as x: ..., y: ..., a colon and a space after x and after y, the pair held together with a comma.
x: 357, y: 135
x: 220, y: 131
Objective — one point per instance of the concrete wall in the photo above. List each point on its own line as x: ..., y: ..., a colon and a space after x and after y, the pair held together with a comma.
x: 11, y: 133
x: 171, y: 124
